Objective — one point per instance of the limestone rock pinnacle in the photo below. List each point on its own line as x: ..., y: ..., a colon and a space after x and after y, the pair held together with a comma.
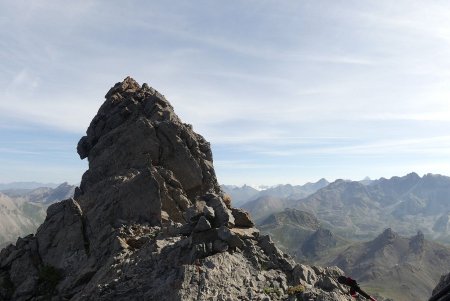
x: 136, y: 140
x: 150, y: 222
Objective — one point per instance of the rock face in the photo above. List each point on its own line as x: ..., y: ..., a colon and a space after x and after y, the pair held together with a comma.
x: 442, y: 290
x: 149, y: 222
x: 136, y: 141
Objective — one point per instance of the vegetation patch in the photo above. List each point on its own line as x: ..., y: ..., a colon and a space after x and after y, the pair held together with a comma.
x: 272, y: 291
x: 227, y: 201
x: 264, y: 266
x: 294, y: 290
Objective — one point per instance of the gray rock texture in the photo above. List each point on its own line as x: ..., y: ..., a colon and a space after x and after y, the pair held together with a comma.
x: 442, y: 290
x: 149, y: 222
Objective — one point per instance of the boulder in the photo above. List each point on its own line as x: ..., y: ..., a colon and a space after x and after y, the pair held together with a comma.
x: 223, y: 215
x: 209, y: 213
x: 242, y: 218
x: 246, y: 233
x: 202, y: 225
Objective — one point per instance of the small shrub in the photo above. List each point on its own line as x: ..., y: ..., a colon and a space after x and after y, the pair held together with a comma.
x: 227, y: 200
x: 294, y: 290
x: 271, y: 291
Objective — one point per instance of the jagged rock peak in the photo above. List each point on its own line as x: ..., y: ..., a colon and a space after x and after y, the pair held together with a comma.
x: 136, y: 140
x: 387, y: 237
x: 417, y: 242
x: 125, y: 100
x: 149, y: 222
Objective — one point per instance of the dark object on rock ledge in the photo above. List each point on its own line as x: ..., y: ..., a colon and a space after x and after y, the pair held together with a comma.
x: 354, y: 287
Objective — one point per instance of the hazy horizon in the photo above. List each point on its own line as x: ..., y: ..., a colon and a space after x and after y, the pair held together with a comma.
x: 286, y: 92
x: 254, y: 185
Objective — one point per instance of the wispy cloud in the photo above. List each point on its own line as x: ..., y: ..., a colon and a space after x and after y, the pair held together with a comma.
x: 420, y: 146
x: 17, y: 151
x: 300, y: 82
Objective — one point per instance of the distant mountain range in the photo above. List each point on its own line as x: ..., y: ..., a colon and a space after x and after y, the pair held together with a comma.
x: 401, y: 268
x: 340, y: 224
x: 22, y: 210
x: 272, y: 199
x: 26, y: 185
x: 301, y: 234
x: 363, y: 209
x: 406, y: 204
x: 240, y: 194
x: 390, y: 265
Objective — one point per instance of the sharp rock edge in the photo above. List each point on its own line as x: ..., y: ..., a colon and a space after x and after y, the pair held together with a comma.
x: 149, y: 221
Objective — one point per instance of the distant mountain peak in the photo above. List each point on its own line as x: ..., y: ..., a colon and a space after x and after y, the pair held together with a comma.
x: 319, y: 241
x: 413, y: 175
x: 294, y: 217
x: 388, y: 236
x: 417, y: 242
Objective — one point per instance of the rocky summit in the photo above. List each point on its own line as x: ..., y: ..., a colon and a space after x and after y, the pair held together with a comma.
x: 150, y: 222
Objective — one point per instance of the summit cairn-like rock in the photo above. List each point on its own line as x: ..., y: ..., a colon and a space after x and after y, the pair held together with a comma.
x: 135, y: 141
x: 149, y: 222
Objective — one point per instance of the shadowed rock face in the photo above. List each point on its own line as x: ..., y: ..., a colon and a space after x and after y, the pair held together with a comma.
x: 149, y: 222
x: 136, y: 140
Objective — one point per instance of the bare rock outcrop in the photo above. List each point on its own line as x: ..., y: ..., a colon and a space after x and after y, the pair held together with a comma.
x: 442, y: 290
x: 149, y: 222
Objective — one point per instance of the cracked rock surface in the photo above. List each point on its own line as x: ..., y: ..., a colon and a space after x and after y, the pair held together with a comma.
x: 149, y: 222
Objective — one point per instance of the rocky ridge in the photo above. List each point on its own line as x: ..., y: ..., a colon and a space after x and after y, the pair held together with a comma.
x: 150, y: 221
x: 442, y: 290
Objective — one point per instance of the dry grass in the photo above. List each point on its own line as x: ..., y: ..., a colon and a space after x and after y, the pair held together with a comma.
x: 296, y: 289
x: 227, y: 200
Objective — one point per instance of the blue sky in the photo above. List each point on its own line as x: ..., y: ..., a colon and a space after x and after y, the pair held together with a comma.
x: 285, y: 91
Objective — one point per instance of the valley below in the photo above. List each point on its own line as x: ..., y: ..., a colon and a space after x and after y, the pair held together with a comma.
x: 23, y: 207
x: 391, y: 235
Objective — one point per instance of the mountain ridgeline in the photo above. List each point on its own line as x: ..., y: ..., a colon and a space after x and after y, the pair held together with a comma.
x: 244, y: 194
x: 23, y: 209
x: 301, y: 234
x: 357, y: 210
x: 328, y: 227
x: 401, y: 268
x: 150, y: 221
x: 363, y: 209
x: 272, y: 199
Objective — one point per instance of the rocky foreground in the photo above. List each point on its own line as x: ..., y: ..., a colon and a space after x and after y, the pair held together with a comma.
x: 150, y: 222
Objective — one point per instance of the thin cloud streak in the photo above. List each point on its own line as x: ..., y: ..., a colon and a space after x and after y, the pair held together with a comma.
x: 439, y: 146
x: 18, y: 151
x: 298, y: 83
